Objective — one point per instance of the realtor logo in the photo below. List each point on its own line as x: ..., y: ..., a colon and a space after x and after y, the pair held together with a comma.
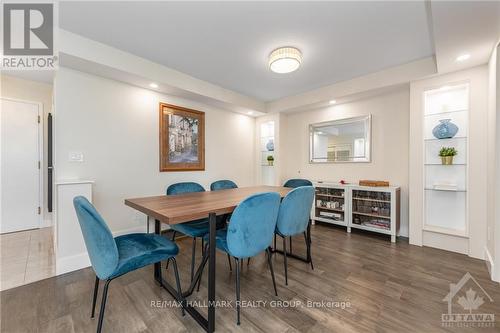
x: 28, y: 36
x: 469, y: 294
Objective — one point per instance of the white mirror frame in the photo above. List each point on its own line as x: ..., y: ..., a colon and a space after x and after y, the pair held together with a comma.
x: 368, y: 136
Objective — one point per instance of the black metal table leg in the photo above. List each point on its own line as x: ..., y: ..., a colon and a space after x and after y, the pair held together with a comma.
x: 208, y: 324
x: 211, y: 272
x: 157, y: 266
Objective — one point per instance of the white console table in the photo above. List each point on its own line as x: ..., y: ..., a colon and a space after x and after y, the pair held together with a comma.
x: 375, y: 209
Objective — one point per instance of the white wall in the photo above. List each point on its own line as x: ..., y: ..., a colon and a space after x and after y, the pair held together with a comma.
x: 115, y: 126
x: 493, y: 171
x: 474, y: 245
x: 491, y: 189
x: 390, y: 124
x: 16, y: 88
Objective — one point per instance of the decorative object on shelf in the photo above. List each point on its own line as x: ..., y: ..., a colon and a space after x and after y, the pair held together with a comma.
x: 446, y: 154
x: 445, y: 129
x: 270, y: 145
x: 343, y: 182
x: 182, y: 139
x: 374, y: 183
x: 270, y: 160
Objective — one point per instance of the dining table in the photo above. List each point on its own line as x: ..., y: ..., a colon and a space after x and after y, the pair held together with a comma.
x: 182, y: 208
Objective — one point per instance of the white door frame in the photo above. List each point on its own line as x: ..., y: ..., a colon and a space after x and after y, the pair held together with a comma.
x: 40, y: 152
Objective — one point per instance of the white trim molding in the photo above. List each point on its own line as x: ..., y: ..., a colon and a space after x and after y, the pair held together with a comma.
x: 490, y: 263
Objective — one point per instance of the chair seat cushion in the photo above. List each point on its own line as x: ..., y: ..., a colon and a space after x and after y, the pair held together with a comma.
x: 220, y: 240
x: 196, y: 228
x: 139, y: 250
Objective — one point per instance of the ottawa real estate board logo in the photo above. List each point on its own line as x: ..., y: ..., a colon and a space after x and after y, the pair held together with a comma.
x: 464, y: 301
x: 28, y: 36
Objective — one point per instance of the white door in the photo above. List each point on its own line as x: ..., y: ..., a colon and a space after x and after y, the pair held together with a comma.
x: 19, y: 163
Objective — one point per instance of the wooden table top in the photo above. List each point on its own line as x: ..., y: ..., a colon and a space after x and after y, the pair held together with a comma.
x: 173, y: 209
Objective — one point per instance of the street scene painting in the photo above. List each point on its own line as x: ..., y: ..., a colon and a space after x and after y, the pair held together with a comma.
x: 182, y: 144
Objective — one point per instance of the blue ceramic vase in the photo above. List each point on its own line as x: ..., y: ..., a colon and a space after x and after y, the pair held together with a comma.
x: 270, y: 145
x: 445, y: 130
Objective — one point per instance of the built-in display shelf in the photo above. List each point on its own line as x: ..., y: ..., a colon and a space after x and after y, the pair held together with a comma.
x: 374, y: 209
x: 445, y: 186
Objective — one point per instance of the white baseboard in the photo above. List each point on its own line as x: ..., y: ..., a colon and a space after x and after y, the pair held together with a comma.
x: 491, y: 265
x: 79, y: 261
x: 72, y: 263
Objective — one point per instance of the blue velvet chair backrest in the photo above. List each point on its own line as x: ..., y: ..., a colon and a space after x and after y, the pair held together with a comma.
x: 222, y: 185
x: 297, y: 182
x: 101, y: 245
x: 295, y: 210
x: 186, y: 187
x: 252, y: 225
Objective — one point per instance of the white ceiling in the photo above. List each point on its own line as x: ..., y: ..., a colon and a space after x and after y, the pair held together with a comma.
x: 464, y: 27
x: 227, y: 43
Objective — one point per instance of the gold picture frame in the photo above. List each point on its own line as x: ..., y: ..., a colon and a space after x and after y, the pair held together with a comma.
x: 182, y: 139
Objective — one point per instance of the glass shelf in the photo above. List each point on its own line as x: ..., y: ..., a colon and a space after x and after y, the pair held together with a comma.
x: 447, y: 165
x: 443, y: 190
x: 454, y: 138
x: 446, y: 112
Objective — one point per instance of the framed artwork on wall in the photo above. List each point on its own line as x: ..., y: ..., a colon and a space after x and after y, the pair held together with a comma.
x: 182, y: 139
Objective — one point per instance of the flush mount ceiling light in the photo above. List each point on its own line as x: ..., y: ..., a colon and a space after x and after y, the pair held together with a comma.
x: 285, y: 60
x: 333, y: 101
x: 463, y: 57
x: 153, y: 85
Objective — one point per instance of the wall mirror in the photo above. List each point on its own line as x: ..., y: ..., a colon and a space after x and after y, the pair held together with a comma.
x: 340, y: 141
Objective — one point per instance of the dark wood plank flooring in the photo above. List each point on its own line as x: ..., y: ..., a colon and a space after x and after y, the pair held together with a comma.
x: 389, y: 287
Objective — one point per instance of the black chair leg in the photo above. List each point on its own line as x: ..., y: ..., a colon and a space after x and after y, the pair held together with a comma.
x: 229, y: 261
x: 202, y: 246
x: 173, y: 240
x: 248, y: 261
x: 274, y: 241
x: 237, y: 290
x: 270, y: 262
x: 308, y: 245
x: 96, y: 290
x: 178, y: 283
x: 193, y: 258
x: 103, y: 306
x: 285, y: 262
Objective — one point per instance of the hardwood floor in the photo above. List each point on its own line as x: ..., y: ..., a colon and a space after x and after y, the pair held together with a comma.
x: 388, y: 287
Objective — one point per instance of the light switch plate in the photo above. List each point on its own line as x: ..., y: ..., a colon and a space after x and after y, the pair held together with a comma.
x: 76, y: 156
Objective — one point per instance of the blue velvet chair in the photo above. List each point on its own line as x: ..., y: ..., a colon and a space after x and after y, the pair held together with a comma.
x: 194, y: 229
x: 293, y: 218
x: 222, y: 185
x: 250, y: 232
x: 113, y: 257
x: 294, y: 183
x: 297, y: 182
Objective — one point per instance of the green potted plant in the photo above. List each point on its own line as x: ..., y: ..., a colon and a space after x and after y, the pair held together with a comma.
x: 446, y: 154
x: 270, y: 160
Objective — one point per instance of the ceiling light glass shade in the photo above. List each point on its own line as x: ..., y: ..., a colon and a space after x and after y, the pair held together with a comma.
x: 285, y: 60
